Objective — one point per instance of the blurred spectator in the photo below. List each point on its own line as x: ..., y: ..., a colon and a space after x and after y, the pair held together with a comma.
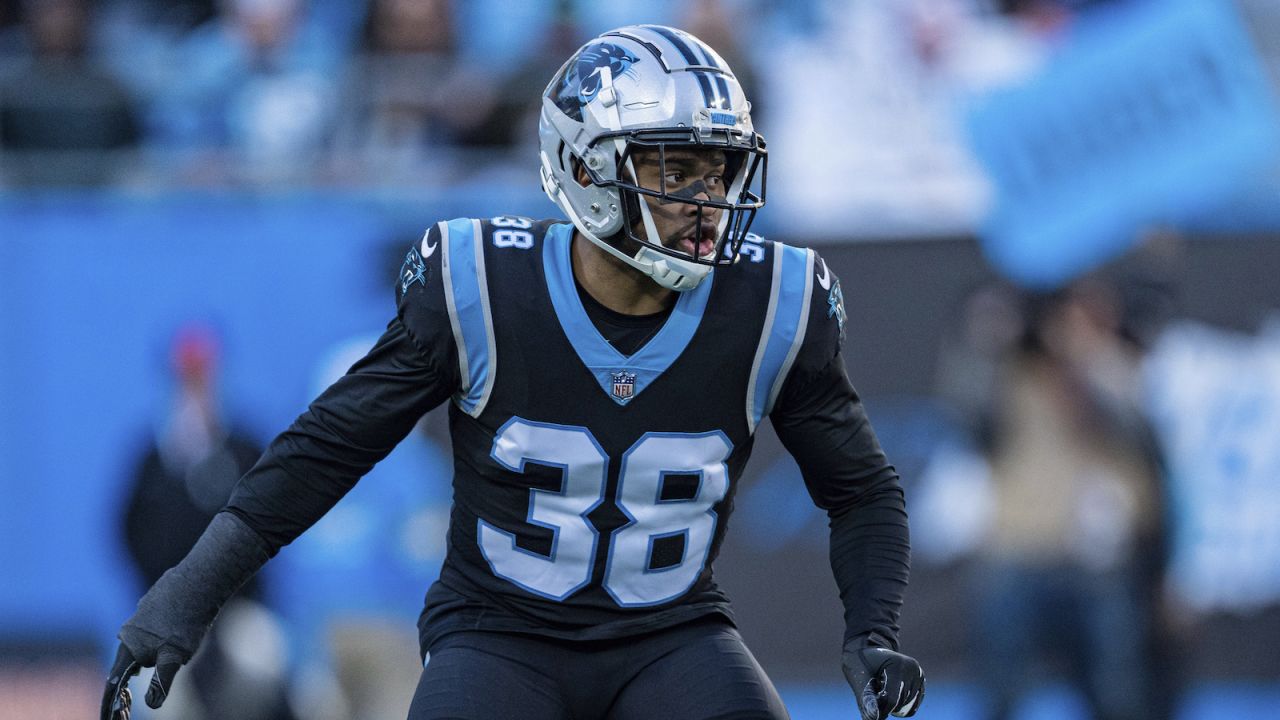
x: 402, y: 94
x: 512, y: 119
x: 715, y: 24
x: 1072, y: 561
x: 152, y: 16
x: 183, y: 478
x: 597, y: 17
x: 1049, y: 18
x: 11, y: 41
x: 189, y: 467
x: 413, y: 97
x: 63, y: 119
x: 185, y: 13
x: 411, y: 27
x: 254, y: 87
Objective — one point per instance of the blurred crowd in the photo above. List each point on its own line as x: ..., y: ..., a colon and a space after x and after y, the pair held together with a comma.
x: 226, y: 93
x: 1069, y: 568
x: 1102, y: 502
x: 234, y: 92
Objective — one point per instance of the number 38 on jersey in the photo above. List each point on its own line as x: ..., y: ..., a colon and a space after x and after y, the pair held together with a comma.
x: 630, y: 577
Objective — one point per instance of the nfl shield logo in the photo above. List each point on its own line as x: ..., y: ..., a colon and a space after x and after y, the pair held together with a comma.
x: 624, y: 385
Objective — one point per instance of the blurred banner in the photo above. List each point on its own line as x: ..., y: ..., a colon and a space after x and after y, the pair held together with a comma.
x: 1151, y: 112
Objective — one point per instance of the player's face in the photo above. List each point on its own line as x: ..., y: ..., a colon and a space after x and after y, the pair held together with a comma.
x: 685, y: 174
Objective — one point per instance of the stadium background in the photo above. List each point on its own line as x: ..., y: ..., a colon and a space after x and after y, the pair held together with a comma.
x: 928, y: 148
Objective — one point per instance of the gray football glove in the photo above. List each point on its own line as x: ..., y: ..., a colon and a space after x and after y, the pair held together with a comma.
x: 177, y: 611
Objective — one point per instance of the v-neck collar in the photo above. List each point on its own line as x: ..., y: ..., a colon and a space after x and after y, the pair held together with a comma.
x: 621, y: 377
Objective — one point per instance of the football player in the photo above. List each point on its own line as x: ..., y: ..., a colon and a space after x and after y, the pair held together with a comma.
x: 606, y: 376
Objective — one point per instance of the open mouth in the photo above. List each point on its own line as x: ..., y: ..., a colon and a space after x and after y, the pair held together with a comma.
x: 701, y: 244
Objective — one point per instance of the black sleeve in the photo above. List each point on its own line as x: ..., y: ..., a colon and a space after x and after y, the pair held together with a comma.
x: 822, y: 423
x: 359, y: 419
x: 345, y: 432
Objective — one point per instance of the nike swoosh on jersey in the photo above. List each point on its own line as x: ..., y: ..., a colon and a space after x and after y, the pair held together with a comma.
x: 428, y: 250
x: 825, y: 278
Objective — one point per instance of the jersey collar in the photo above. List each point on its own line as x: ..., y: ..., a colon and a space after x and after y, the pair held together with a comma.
x: 621, y: 377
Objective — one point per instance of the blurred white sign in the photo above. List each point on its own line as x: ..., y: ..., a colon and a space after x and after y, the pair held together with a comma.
x: 1215, y: 401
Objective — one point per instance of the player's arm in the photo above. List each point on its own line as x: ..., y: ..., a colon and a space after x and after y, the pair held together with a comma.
x: 822, y: 423
x: 347, y: 430
x: 302, y: 474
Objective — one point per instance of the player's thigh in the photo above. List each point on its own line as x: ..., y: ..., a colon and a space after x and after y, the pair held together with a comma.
x: 709, y: 674
x: 480, y: 676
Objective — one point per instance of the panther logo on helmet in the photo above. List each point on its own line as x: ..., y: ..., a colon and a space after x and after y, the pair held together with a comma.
x: 582, y: 79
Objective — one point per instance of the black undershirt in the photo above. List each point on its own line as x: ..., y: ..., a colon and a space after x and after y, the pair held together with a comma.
x: 626, y: 333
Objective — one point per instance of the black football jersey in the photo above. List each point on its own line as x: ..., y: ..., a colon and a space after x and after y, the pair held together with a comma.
x: 592, y: 489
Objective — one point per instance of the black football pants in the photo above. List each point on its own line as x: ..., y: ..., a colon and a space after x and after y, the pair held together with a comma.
x: 697, y: 671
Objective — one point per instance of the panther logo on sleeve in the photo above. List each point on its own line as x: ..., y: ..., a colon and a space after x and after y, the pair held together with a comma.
x: 414, y: 270
x: 835, y: 296
x: 835, y: 304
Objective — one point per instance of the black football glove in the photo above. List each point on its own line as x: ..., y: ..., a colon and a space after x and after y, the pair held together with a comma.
x: 117, y: 702
x: 177, y: 611
x: 885, y: 682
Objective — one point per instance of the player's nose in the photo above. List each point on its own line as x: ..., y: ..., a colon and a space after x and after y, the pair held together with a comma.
x: 702, y: 195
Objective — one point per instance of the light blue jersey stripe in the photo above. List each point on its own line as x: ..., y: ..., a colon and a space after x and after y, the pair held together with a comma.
x: 784, y: 329
x: 467, y: 296
x: 602, y: 359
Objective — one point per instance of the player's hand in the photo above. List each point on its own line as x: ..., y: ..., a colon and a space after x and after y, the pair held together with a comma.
x: 885, y: 682
x: 163, y: 633
x: 117, y: 698
x: 117, y: 701
x: 156, y: 636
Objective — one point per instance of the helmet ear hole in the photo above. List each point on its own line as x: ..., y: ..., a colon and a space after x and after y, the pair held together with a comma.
x: 580, y: 174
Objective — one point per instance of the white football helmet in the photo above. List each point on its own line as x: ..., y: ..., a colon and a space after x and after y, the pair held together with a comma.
x: 648, y: 88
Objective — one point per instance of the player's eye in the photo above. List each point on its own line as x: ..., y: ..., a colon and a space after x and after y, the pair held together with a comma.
x: 675, y: 177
